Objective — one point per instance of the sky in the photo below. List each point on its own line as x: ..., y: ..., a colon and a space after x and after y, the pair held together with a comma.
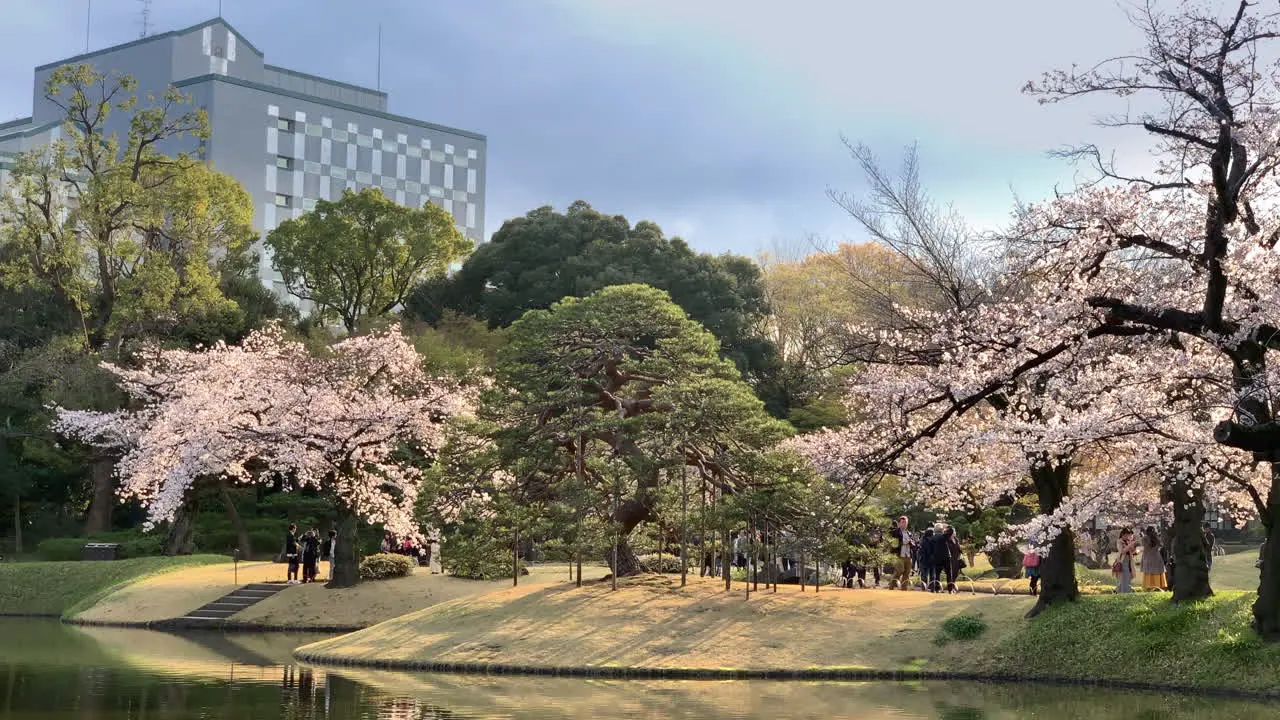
x: 721, y: 120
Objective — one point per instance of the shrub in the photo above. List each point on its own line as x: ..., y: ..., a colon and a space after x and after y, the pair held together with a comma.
x: 385, y: 566
x: 670, y: 564
x: 961, y: 627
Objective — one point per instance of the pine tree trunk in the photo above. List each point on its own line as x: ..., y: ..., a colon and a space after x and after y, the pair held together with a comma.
x: 1052, y: 479
x: 346, y: 560
x: 1190, y: 555
x: 103, y: 500
x: 628, y: 562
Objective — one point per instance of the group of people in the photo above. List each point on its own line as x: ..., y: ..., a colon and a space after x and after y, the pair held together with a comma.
x: 1156, y: 564
x: 307, y: 552
x: 425, y: 556
x: 931, y: 555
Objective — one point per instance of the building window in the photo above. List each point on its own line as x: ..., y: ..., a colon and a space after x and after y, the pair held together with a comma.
x: 283, y: 201
x: 284, y: 163
x: 308, y: 204
x: 310, y: 167
x: 284, y: 125
x: 364, y: 178
x: 338, y: 172
x: 340, y: 135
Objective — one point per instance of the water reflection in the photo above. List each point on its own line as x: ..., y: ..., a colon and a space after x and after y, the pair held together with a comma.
x: 54, y: 671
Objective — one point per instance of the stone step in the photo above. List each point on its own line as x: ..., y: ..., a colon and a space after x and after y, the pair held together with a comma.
x: 211, y: 614
x: 254, y: 595
x: 225, y: 604
x: 273, y: 587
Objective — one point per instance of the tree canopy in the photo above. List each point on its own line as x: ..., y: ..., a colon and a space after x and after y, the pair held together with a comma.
x: 125, y: 235
x: 359, y: 257
x: 536, y: 260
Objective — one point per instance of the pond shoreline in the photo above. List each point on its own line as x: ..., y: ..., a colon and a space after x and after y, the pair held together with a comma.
x: 226, y: 626
x: 807, y: 674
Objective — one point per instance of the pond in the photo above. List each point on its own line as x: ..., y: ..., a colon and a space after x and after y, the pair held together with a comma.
x: 54, y: 671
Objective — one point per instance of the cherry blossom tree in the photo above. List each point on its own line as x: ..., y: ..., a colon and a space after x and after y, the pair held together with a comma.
x: 357, y: 421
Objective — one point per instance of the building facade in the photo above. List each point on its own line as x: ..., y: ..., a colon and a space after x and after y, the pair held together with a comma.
x: 290, y: 138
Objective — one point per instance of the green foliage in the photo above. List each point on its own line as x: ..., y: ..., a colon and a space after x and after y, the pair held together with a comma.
x: 475, y: 550
x: 357, y: 258
x: 64, y: 587
x: 133, y: 544
x: 128, y: 237
x: 535, y: 261
x: 962, y: 627
x: 384, y: 566
x: 457, y: 345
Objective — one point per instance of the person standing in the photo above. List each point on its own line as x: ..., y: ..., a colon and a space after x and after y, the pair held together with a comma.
x: 331, y: 552
x: 902, y: 551
x: 1210, y: 543
x: 310, y: 556
x: 1126, y: 545
x: 291, y: 553
x: 924, y: 559
x: 955, y: 555
x: 1153, y: 568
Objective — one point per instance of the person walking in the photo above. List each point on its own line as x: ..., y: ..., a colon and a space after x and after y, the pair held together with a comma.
x: 1031, y: 568
x: 902, y: 552
x: 1153, y: 568
x: 291, y: 553
x: 955, y: 555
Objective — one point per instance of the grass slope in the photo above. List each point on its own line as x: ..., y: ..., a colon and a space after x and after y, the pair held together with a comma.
x: 651, y: 622
x: 174, y: 594
x: 372, y: 602
x: 56, y: 588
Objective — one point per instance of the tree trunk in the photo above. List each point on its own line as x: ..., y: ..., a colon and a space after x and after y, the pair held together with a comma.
x: 181, y: 537
x: 1190, y: 556
x: 515, y: 558
x: 1052, y: 477
x: 346, y: 560
x: 1266, y: 609
x: 103, y: 499
x: 17, y: 525
x: 628, y: 562
x: 237, y: 523
x: 726, y: 559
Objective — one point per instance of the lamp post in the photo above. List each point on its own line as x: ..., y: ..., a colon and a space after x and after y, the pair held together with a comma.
x: 235, y: 566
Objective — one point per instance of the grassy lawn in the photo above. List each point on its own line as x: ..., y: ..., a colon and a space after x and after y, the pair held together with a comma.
x: 651, y: 622
x: 1142, y: 637
x: 55, y: 588
x: 369, y: 603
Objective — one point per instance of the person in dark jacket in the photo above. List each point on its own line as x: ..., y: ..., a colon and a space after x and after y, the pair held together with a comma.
x: 924, y: 559
x: 955, y: 557
x: 291, y: 553
x: 940, y: 556
x: 310, y: 556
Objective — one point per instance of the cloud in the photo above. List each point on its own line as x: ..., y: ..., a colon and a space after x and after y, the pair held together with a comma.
x: 720, y: 120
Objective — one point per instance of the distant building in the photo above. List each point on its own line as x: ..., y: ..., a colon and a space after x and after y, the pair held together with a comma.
x: 290, y: 138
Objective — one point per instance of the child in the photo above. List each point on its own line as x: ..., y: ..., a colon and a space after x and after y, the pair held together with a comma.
x: 1031, y: 566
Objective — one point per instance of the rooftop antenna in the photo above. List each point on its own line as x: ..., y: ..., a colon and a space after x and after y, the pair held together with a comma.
x: 146, y: 18
x: 379, y: 56
x: 88, y: 22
